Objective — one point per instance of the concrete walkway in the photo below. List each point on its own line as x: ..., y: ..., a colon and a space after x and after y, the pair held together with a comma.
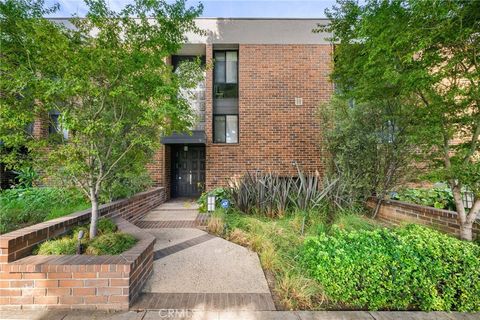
x: 235, y: 315
x: 195, y: 270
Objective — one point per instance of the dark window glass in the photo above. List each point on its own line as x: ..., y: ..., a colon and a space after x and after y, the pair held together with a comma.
x: 219, y: 129
x: 225, y: 129
x: 219, y: 67
x: 226, y: 74
x: 54, y: 126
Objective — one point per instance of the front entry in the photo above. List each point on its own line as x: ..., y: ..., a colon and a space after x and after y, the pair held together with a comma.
x: 188, y: 170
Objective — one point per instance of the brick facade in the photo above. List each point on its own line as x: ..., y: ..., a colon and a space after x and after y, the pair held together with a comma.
x: 397, y: 212
x: 273, y: 131
x: 78, y: 281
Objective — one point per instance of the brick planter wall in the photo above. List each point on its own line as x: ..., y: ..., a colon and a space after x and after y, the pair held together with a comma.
x: 396, y: 212
x: 78, y: 281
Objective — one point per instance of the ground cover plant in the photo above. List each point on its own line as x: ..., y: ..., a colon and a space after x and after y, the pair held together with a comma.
x: 407, y: 268
x: 278, y: 242
x: 438, y: 197
x: 108, y: 242
x: 22, y: 207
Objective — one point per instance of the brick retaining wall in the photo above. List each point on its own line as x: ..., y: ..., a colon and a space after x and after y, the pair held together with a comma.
x: 396, y: 212
x: 78, y: 281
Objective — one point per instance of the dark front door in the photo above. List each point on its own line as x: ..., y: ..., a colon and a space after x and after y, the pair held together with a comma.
x: 188, y: 171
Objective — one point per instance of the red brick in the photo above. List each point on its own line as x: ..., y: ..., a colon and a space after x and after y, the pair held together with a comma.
x: 59, y: 291
x: 10, y: 292
x: 109, y: 291
x: 33, y: 292
x: 46, y: 283
x: 35, y: 275
x: 95, y: 299
x: 10, y: 276
x: 21, y: 300
x: 84, y: 291
x: 118, y: 299
x: 21, y: 283
x: 70, y: 300
x: 96, y: 283
x: 71, y: 283
x: 84, y: 275
x: 59, y: 275
x: 119, y: 282
x: 45, y: 300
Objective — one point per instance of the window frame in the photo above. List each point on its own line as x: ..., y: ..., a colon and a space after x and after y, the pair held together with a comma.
x: 214, y: 82
x: 225, y: 133
x: 229, y: 112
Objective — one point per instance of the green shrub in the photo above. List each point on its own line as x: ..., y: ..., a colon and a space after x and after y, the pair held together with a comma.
x: 440, y: 197
x: 104, y: 226
x: 219, y: 193
x: 22, y: 207
x: 110, y: 244
x: 107, y: 242
x: 60, y: 246
x: 406, y: 268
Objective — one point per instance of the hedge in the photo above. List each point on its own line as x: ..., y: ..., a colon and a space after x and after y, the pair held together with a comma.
x: 408, y: 268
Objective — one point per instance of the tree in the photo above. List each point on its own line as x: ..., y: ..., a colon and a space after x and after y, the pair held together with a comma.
x: 116, y: 93
x: 424, y: 54
x: 368, y: 146
x: 29, y: 64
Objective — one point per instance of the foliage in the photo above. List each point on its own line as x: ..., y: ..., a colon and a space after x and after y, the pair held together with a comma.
x: 126, y: 184
x: 109, y: 241
x: 440, y: 198
x: 33, y: 49
x: 219, y: 193
x: 419, y: 59
x: 216, y: 223
x: 273, y: 195
x: 110, y: 244
x: 278, y: 243
x: 370, y: 151
x: 117, y: 107
x: 26, y: 176
x: 58, y: 247
x: 405, y: 268
x: 21, y: 207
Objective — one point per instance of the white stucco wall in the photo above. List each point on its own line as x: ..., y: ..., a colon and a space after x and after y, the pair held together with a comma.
x: 253, y: 31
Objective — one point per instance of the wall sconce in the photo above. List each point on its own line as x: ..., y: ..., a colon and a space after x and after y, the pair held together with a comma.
x: 210, y: 203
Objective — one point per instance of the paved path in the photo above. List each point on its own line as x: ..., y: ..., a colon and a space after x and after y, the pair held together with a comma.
x: 235, y: 315
x: 195, y: 270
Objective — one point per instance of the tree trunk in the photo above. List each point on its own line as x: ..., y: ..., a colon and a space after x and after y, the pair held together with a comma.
x: 466, y: 231
x: 465, y: 221
x: 94, y: 218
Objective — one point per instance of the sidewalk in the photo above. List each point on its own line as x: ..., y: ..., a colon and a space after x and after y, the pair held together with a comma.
x: 240, y: 315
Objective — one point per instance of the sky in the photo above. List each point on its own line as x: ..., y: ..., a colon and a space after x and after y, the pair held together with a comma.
x: 222, y: 8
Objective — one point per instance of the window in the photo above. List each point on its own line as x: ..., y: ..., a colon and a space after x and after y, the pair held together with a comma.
x: 225, y: 75
x: 225, y: 96
x: 225, y: 129
x: 54, y: 127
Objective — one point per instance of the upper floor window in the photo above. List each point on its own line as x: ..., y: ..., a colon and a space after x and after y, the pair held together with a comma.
x: 225, y: 74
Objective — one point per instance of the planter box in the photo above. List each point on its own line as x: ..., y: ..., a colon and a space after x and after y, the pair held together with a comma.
x: 78, y: 281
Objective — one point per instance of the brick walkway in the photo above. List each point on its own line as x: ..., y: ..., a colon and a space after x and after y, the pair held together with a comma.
x: 196, y: 270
